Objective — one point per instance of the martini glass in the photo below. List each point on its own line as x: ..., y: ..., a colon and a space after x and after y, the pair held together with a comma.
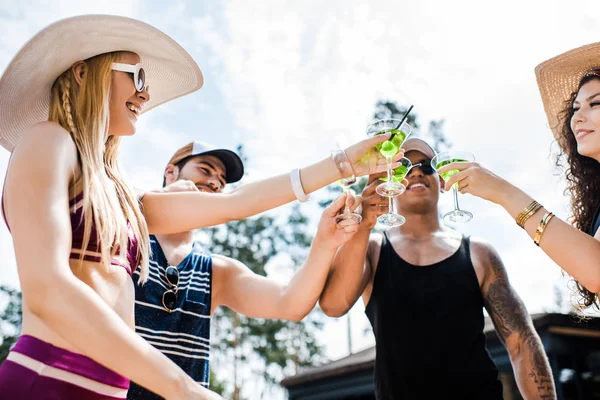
x: 400, y: 132
x: 348, y: 179
x: 391, y: 219
x: 449, y: 157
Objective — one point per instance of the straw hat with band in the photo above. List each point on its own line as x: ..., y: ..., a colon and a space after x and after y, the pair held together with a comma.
x: 26, y: 83
x: 558, y: 78
x: 234, y: 168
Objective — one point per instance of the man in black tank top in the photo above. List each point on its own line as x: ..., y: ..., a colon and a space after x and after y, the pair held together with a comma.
x: 424, y: 287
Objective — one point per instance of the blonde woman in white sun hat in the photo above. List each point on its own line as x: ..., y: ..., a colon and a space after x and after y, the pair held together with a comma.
x: 66, y: 99
x: 570, y: 88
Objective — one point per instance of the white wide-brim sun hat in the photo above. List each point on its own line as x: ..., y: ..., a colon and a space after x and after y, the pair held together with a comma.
x: 558, y: 78
x: 26, y: 83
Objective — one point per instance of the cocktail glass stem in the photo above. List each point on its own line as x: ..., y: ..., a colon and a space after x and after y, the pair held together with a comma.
x: 455, y: 194
x: 388, y: 160
x: 346, y: 207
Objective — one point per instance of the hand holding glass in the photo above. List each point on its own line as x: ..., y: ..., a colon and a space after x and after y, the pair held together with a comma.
x: 389, y: 148
x: 391, y: 219
x: 449, y: 157
x: 348, y: 179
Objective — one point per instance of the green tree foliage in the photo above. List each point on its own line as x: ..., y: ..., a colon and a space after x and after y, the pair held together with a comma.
x: 216, y: 385
x: 10, y: 319
x: 385, y: 109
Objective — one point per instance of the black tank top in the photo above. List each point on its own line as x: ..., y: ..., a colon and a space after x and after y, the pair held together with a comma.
x: 428, y: 324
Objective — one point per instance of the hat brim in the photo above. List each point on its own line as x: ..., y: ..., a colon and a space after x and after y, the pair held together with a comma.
x: 419, y: 145
x: 26, y: 83
x: 558, y: 78
x: 234, y: 167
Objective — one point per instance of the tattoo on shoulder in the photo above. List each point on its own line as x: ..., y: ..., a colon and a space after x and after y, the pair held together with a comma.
x: 511, y: 317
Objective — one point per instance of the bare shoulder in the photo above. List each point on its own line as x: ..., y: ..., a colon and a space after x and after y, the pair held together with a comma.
x: 45, y: 157
x: 374, y: 250
x: 227, y: 265
x: 46, y: 141
x: 375, y: 241
x: 480, y: 246
x: 486, y: 260
x: 48, y: 132
x: 227, y: 276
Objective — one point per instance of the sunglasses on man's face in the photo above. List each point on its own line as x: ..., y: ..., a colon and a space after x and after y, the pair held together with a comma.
x: 169, y: 298
x: 424, y: 166
x: 136, y: 71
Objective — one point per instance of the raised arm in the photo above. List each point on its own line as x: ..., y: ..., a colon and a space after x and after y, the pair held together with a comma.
x: 178, y: 212
x: 351, y: 271
x: 238, y: 288
x: 36, y: 199
x: 573, y: 250
x: 515, y: 329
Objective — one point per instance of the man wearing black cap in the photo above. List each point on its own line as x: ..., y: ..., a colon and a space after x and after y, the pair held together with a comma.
x: 185, y: 284
x: 424, y: 287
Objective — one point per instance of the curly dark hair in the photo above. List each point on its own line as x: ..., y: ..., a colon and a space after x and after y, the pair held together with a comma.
x: 582, y: 175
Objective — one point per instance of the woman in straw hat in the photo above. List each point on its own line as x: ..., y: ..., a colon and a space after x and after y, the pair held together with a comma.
x: 570, y: 89
x: 78, y: 230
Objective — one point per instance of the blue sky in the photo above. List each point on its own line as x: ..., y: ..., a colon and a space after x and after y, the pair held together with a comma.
x: 283, y: 77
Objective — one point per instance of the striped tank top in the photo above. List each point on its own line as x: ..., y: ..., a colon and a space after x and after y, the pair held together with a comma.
x: 184, y: 334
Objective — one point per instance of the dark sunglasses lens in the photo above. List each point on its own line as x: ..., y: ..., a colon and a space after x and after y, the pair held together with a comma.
x: 172, y: 275
x: 427, y: 169
x: 141, y: 81
x: 169, y: 300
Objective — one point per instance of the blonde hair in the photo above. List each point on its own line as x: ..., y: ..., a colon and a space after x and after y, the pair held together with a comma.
x: 108, y: 203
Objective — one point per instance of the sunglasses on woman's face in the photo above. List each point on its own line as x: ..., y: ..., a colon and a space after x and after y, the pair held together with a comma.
x: 136, y: 71
x: 169, y: 298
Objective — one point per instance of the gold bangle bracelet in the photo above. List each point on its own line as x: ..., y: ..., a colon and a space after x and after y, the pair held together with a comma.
x: 541, y: 227
x: 524, y: 215
x: 527, y: 213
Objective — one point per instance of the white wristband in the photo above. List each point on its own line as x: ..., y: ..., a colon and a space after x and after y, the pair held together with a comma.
x: 297, y: 186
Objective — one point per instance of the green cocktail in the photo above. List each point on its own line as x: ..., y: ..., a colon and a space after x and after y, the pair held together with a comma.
x: 446, y: 158
x: 399, y: 131
x: 392, y: 186
x: 447, y: 175
x: 390, y: 147
x: 401, y: 171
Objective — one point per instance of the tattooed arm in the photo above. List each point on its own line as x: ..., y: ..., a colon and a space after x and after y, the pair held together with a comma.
x: 515, y: 328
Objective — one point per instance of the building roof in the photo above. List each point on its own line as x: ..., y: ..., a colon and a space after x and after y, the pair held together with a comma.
x: 556, y: 323
x: 354, y: 362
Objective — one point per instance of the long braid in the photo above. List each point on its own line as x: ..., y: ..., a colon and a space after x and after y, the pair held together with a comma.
x: 83, y: 110
x: 65, y: 87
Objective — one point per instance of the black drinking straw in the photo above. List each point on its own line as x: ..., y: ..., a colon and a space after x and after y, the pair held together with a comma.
x: 404, y: 118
